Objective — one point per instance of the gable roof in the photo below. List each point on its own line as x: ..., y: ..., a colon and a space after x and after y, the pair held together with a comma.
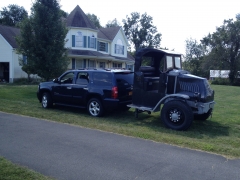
x: 9, y: 33
x: 77, y: 18
x: 108, y: 33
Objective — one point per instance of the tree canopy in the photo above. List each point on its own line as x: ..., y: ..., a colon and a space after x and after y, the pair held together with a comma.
x: 94, y: 19
x: 12, y: 15
x: 113, y: 23
x: 140, y: 31
x: 224, y: 45
x: 42, y: 40
x: 217, y: 51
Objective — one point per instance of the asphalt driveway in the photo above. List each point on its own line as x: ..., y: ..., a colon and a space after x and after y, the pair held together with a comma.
x: 69, y: 152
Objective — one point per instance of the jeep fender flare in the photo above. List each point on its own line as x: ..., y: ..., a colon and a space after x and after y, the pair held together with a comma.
x: 171, y: 96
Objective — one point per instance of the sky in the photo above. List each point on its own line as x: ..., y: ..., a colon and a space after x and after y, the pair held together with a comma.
x: 176, y: 20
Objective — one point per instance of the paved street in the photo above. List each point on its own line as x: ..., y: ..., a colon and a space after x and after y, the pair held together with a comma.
x: 68, y: 152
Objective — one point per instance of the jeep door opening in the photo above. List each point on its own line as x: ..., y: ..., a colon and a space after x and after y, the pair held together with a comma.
x: 159, y: 81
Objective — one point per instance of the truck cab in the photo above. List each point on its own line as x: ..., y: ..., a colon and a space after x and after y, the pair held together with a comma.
x: 160, y: 81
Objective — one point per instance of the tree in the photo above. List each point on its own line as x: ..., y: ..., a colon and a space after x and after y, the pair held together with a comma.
x: 12, y: 15
x: 195, y: 53
x: 94, y: 19
x: 42, y: 40
x: 113, y: 23
x: 140, y: 31
x: 224, y: 45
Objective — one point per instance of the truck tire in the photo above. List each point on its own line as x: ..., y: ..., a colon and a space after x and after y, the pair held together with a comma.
x: 203, y: 117
x: 95, y: 107
x: 176, y: 115
x: 46, y: 100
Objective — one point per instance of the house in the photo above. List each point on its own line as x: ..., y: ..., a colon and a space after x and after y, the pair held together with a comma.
x: 9, y: 59
x: 88, y: 47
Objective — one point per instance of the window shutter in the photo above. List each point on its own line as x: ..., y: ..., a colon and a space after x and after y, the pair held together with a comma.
x: 84, y: 63
x: 115, y: 50
x: 73, y: 40
x: 95, y: 43
x: 106, y: 47
x: 123, y: 50
x: 98, y: 45
x: 73, y: 63
x: 88, y: 41
x: 85, y: 41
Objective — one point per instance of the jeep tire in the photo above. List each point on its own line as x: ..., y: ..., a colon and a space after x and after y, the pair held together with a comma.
x: 176, y: 115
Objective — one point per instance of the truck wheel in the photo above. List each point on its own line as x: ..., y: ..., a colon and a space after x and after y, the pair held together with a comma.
x: 177, y: 115
x: 203, y: 117
x: 46, y: 100
x: 95, y: 107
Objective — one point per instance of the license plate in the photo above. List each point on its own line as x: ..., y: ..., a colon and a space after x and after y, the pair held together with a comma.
x: 130, y: 93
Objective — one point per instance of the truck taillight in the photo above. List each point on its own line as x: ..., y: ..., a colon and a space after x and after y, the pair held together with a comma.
x: 114, y: 92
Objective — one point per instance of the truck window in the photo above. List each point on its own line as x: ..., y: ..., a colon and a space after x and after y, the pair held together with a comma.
x: 169, y: 62
x: 178, y: 63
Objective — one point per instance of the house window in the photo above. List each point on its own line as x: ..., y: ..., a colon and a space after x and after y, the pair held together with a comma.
x: 102, y: 46
x: 102, y: 64
x: 129, y: 67
x: 117, y: 65
x: 79, y: 40
x: 91, y: 64
x: 92, y: 41
x: 119, y: 48
x: 79, y: 64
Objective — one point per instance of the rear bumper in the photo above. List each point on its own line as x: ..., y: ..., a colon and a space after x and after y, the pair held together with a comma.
x: 110, y: 104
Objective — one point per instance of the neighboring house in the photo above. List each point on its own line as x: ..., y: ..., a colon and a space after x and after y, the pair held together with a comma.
x: 9, y: 59
x: 88, y: 47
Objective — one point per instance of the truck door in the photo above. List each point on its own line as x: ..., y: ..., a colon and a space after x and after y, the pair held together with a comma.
x: 62, y: 91
x: 80, y: 89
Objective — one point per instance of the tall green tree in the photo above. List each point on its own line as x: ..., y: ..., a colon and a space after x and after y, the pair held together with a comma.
x: 94, y: 19
x: 12, y: 15
x: 140, y: 31
x: 224, y: 45
x: 113, y: 23
x: 195, y: 53
x: 42, y: 40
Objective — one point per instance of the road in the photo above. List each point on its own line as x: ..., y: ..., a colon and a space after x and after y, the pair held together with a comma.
x: 68, y: 152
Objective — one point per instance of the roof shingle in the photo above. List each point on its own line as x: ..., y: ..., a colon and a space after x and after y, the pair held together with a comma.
x: 77, y: 18
x: 9, y: 33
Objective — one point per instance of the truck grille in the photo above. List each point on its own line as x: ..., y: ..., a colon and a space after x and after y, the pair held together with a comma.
x: 189, y: 86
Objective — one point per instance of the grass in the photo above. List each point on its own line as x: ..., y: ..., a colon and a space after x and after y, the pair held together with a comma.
x: 10, y: 171
x: 220, y: 134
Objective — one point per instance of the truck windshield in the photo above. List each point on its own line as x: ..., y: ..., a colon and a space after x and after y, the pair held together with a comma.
x: 178, y: 62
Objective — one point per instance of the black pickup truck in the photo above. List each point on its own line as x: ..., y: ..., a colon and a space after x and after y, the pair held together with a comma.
x: 98, y: 90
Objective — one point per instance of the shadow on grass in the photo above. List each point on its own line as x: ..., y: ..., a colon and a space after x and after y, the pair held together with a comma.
x: 198, y: 129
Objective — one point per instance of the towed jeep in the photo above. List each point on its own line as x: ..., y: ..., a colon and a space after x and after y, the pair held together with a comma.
x: 161, y: 84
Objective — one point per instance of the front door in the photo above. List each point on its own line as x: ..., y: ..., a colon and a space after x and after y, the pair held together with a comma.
x: 62, y: 91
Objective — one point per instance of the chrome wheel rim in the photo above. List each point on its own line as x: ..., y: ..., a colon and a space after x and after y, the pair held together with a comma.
x: 175, y: 116
x: 94, y: 108
x: 44, y: 101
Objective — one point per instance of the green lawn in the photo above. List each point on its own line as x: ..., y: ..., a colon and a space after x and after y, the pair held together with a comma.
x: 10, y: 171
x: 220, y: 134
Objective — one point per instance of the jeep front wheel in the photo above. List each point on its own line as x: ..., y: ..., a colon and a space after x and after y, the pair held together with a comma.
x: 95, y: 107
x: 177, y: 115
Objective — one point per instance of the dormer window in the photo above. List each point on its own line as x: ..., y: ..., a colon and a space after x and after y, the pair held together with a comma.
x: 119, y: 48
